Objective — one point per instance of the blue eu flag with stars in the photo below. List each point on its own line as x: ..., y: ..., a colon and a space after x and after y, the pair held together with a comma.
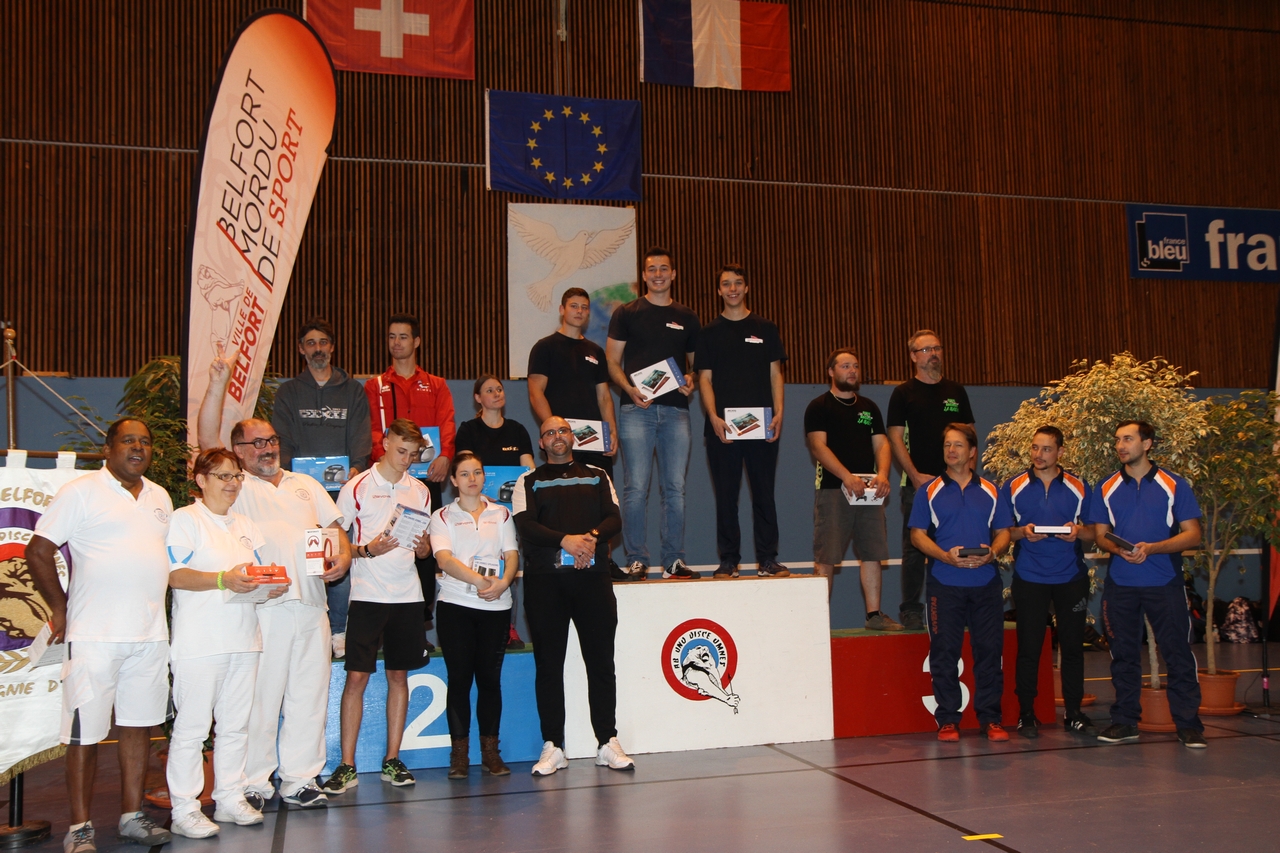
x: 561, y: 147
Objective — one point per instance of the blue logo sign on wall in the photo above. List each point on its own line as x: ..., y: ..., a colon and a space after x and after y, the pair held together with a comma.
x: 1202, y: 243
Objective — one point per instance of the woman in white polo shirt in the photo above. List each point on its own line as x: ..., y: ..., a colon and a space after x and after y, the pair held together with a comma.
x: 214, y: 648
x: 475, y: 544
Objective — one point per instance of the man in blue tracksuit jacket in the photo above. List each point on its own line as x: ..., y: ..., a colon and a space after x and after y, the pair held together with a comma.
x: 1048, y: 568
x: 960, y: 510
x: 1154, y: 511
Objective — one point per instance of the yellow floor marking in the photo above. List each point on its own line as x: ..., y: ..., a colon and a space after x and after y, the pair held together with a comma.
x: 981, y: 837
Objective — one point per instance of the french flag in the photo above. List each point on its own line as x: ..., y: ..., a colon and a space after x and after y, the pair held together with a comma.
x: 730, y: 44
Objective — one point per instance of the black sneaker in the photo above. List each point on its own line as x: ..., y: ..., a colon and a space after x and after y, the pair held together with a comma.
x: 1118, y: 734
x: 772, y: 569
x: 912, y: 620
x: 394, y: 771
x: 1192, y: 739
x: 637, y: 571
x: 342, y: 778
x: 1028, y: 726
x: 616, y: 574
x: 255, y: 800
x: 679, y: 571
x: 726, y: 570
x: 1080, y: 724
x: 307, y: 797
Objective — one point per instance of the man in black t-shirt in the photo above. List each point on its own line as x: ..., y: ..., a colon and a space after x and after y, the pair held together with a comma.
x: 739, y: 364
x: 646, y: 332
x: 845, y: 434
x: 569, y: 376
x: 919, y: 411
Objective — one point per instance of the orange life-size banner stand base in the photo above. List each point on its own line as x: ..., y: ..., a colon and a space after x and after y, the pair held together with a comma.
x: 881, y: 683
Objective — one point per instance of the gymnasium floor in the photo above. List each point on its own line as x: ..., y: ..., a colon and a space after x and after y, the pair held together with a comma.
x: 901, y: 793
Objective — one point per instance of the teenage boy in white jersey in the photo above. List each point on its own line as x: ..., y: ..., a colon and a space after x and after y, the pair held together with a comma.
x: 386, y: 599
x: 290, y: 699
x: 113, y: 523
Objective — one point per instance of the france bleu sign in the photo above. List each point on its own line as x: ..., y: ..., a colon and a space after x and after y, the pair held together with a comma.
x: 1202, y: 243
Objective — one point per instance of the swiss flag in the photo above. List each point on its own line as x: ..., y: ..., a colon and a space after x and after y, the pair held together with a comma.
x: 423, y: 38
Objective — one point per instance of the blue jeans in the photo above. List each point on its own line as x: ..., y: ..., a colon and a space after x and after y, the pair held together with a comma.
x: 338, y: 595
x: 665, y: 429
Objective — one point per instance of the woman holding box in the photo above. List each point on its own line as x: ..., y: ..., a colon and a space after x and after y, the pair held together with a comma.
x: 475, y: 544
x: 214, y: 647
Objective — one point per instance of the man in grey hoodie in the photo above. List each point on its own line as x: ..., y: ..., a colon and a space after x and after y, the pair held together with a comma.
x: 324, y: 412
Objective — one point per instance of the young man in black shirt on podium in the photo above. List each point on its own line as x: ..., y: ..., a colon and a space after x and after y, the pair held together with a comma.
x: 739, y: 364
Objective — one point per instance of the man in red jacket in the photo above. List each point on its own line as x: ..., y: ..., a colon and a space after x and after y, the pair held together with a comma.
x: 405, y: 390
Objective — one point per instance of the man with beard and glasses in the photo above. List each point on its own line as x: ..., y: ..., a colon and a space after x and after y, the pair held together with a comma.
x: 323, y: 412
x: 845, y: 435
x: 112, y: 523
x: 919, y: 411
x: 290, y: 699
x: 566, y: 512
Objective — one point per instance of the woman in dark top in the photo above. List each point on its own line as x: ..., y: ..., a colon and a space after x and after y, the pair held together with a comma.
x: 495, y: 439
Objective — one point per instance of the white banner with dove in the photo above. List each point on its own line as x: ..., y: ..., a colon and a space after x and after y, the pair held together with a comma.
x: 553, y: 247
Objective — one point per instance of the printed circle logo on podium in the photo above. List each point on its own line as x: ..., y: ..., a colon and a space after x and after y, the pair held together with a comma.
x: 699, y: 660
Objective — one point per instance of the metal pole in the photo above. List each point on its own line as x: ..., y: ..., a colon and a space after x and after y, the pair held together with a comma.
x: 10, y: 385
x: 1266, y: 624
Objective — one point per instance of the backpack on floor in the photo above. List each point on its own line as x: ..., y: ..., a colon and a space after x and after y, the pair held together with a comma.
x: 1239, y: 625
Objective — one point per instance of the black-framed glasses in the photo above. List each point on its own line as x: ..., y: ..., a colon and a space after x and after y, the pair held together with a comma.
x: 261, y: 443
x: 557, y: 431
x: 227, y: 476
x: 928, y: 350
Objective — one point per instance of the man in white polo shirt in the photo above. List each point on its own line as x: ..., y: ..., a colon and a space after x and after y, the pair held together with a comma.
x: 293, y: 674
x: 113, y: 522
x: 386, y: 599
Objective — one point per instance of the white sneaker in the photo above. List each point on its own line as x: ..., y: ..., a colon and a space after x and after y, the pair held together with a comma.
x: 239, y: 812
x: 339, y: 643
x: 611, y: 755
x: 552, y: 760
x: 194, y: 825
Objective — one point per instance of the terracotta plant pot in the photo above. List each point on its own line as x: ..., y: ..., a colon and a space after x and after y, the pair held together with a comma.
x: 1218, y: 693
x: 159, y: 795
x: 1155, y: 712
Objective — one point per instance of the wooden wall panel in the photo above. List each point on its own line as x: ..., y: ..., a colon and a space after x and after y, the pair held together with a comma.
x: 957, y: 165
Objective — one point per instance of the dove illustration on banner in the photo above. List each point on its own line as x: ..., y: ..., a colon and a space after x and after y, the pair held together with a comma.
x: 584, y: 250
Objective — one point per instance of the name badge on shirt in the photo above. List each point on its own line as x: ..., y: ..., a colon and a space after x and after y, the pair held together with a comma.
x: 752, y: 339
x: 675, y: 326
x: 592, y: 359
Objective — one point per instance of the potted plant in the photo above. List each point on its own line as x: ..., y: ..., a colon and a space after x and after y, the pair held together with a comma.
x: 1239, y: 495
x: 1086, y: 405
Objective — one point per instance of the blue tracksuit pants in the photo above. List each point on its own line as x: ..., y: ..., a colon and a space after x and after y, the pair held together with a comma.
x: 1166, y: 607
x: 949, y: 609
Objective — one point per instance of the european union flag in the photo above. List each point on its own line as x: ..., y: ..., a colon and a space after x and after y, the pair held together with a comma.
x: 561, y: 147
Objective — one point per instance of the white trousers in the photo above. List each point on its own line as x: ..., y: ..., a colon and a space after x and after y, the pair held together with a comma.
x: 217, y: 687
x: 293, y: 681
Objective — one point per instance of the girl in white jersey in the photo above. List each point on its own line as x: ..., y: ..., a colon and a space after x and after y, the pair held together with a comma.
x: 475, y: 544
x: 215, y: 646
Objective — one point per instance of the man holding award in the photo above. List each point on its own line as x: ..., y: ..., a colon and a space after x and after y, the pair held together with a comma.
x: 390, y: 512
x: 739, y: 365
x: 650, y: 348
x: 845, y: 434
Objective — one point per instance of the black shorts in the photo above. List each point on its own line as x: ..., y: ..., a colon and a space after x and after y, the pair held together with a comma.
x: 397, y: 628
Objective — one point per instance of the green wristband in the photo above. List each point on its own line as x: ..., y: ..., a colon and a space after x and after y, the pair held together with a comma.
x: 220, y: 574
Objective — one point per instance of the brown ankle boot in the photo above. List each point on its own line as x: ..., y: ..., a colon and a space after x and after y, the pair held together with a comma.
x: 459, y: 761
x: 489, y: 758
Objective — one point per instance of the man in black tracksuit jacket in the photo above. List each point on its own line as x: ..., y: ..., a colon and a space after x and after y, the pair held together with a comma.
x: 566, y: 512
